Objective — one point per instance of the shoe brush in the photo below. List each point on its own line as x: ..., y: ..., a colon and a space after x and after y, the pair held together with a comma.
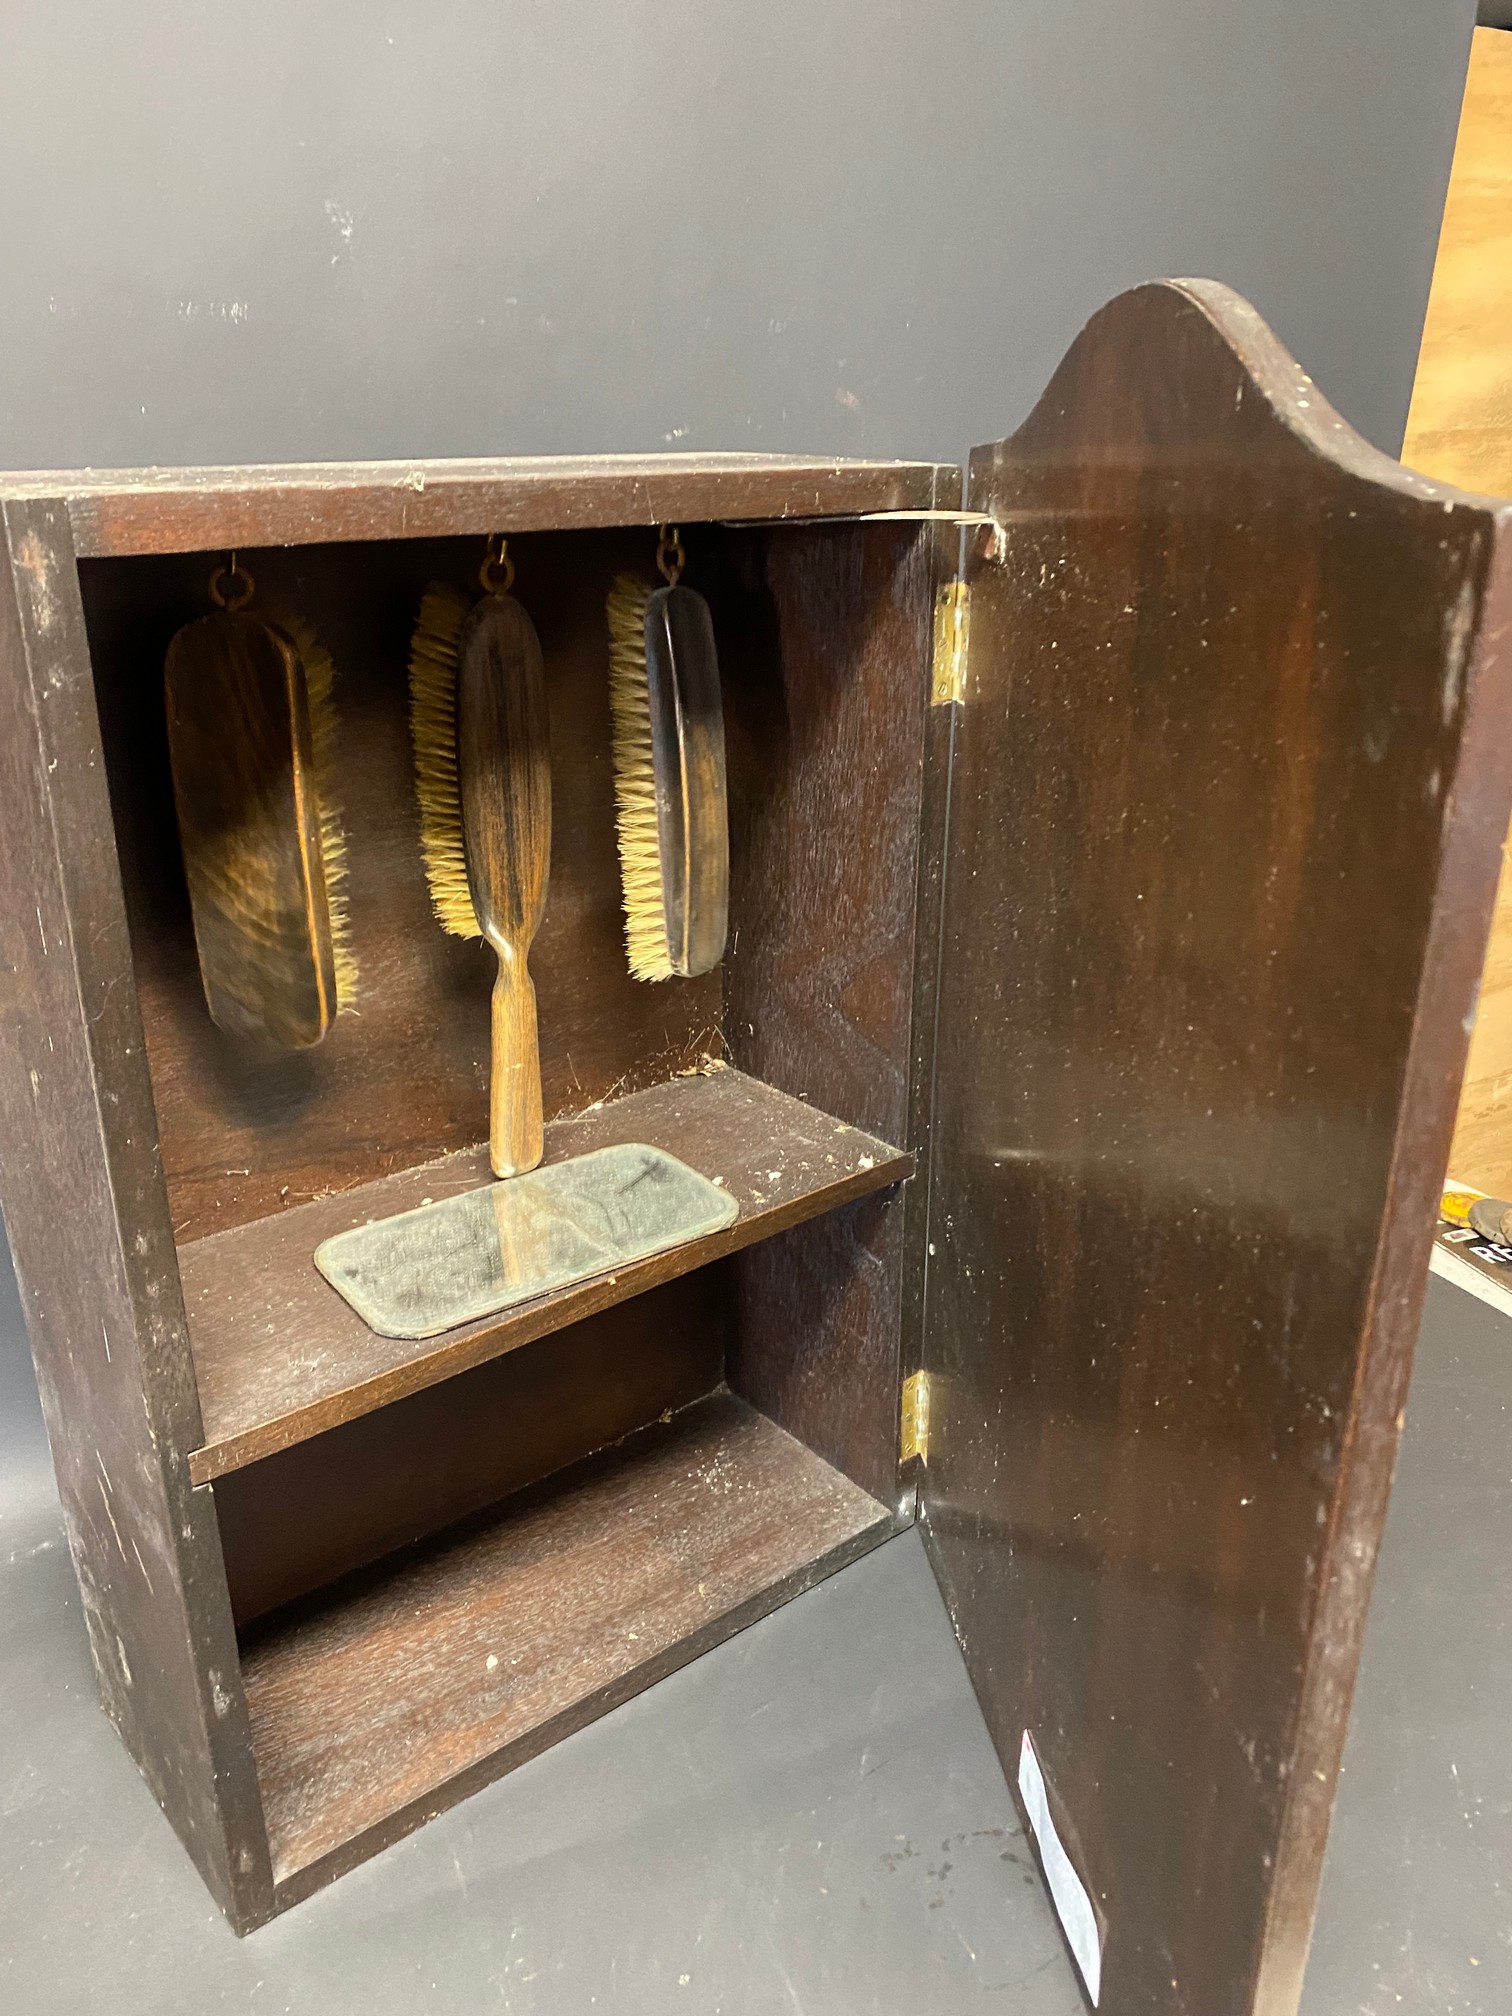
x: 250, y: 723
x: 483, y: 780
x: 669, y: 772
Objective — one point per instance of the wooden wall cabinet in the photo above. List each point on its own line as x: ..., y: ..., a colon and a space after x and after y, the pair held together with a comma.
x: 1104, y: 937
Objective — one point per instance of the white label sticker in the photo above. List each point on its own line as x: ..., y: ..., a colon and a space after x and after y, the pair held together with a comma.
x: 1067, y: 1890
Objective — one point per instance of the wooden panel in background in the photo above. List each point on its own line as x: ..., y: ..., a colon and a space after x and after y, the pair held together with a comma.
x: 1459, y: 426
x: 399, y: 1692
x: 1460, y: 431
x: 1230, y: 779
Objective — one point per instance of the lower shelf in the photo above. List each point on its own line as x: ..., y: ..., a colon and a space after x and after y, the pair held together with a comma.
x: 407, y: 1687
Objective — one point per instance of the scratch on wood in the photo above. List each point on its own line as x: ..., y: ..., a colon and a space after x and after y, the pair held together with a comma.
x: 1458, y: 627
x: 31, y: 557
x: 105, y: 1501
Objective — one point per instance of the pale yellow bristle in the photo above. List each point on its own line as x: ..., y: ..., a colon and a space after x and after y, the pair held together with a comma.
x: 635, y: 782
x: 319, y: 679
x: 433, y: 728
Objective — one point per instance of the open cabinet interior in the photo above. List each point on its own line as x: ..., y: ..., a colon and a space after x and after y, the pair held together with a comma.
x: 1110, y: 869
x: 439, y: 1550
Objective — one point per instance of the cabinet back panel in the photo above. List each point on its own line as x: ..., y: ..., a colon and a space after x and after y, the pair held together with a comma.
x: 298, y: 1520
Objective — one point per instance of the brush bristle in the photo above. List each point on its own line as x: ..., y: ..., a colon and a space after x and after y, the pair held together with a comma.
x: 635, y: 782
x: 433, y: 727
x: 319, y: 677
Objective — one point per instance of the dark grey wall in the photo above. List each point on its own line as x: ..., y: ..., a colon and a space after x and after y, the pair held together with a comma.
x: 868, y: 226
x: 861, y: 226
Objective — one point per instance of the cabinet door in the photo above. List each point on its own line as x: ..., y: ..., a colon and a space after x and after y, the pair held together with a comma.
x: 1228, y: 789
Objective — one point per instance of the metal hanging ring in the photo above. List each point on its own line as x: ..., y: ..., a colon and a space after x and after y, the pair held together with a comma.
x: 231, y: 586
x: 670, y: 557
x: 496, y: 575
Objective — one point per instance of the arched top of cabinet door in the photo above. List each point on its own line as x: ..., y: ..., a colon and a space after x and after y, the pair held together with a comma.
x: 1229, y: 785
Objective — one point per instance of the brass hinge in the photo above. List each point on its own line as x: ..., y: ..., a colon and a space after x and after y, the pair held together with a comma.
x: 914, y: 1439
x: 952, y: 623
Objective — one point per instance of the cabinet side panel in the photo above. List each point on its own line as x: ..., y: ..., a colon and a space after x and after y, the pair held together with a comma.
x: 86, y: 1212
x: 826, y: 695
x: 1225, y: 816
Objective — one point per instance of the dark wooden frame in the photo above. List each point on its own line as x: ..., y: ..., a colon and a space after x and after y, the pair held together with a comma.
x: 88, y: 1212
x: 1177, y: 448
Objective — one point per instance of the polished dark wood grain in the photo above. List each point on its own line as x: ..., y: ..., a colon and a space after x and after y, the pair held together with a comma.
x: 399, y: 1692
x: 1229, y: 789
x: 280, y: 1356
x: 688, y: 756
x: 88, y: 1225
x: 318, y: 1509
x: 145, y: 511
x: 1228, y: 785
x: 824, y: 635
x: 246, y: 795
x: 504, y: 783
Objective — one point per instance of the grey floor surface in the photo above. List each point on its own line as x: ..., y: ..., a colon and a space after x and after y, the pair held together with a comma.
x: 1415, y: 1918
x: 810, y: 1819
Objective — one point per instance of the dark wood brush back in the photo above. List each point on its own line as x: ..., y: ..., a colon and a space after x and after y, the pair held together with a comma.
x: 688, y: 753
x: 247, y: 799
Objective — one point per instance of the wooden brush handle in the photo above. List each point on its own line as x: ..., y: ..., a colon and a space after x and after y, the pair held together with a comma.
x: 504, y: 780
x: 514, y: 1115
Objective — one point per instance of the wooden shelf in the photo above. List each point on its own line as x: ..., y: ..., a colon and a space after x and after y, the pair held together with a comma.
x: 405, y: 1688
x: 280, y: 1357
